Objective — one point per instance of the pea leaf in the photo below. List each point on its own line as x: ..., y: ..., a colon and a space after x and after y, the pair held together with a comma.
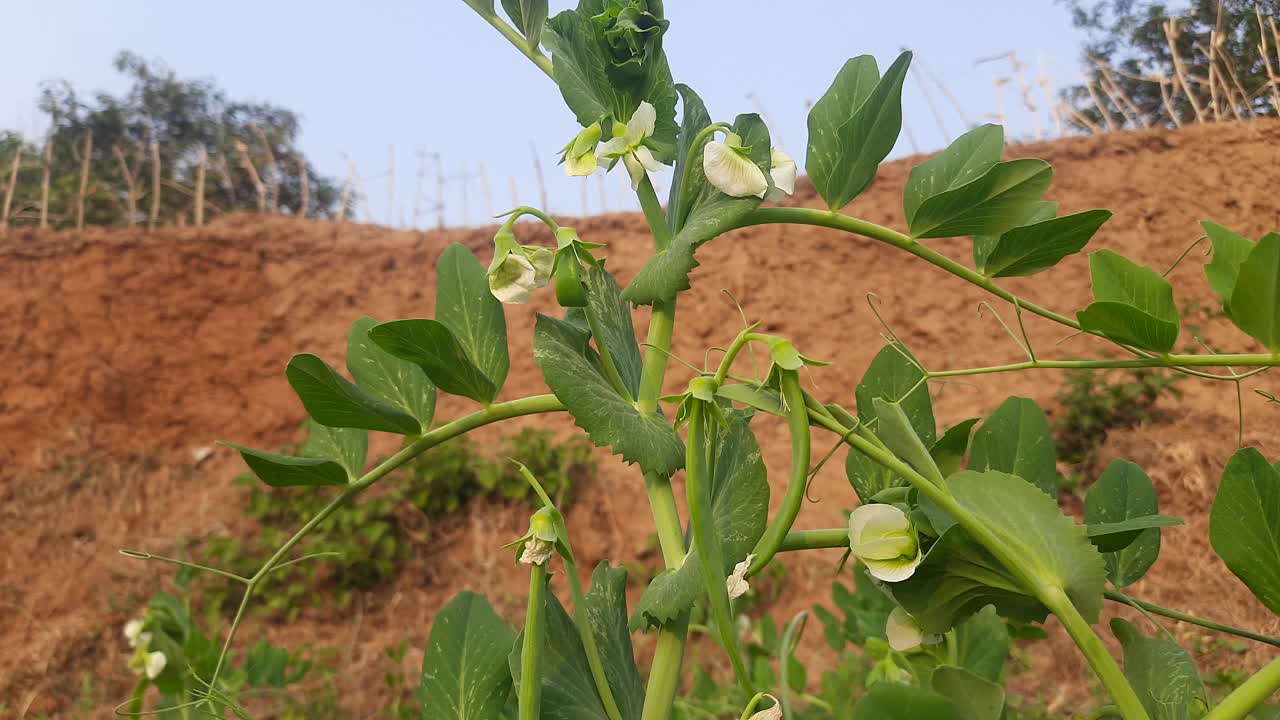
x: 1244, y: 524
x: 1162, y: 674
x: 999, y: 200
x: 279, y: 470
x: 982, y: 644
x: 464, y: 668
x: 1229, y: 252
x: 474, y: 316
x: 739, y: 511
x: 707, y: 213
x: 612, y: 314
x: 892, y: 377
x: 965, y: 160
x: 387, y: 377
x: 483, y: 7
x: 346, y: 446
x: 333, y: 400
x: 528, y: 16
x: 1028, y: 249
x: 694, y: 118
x: 606, y: 607
x: 891, y: 701
x: 983, y: 245
x: 974, y: 697
x: 1123, y: 493
x: 949, y: 450
x: 432, y: 346
x: 572, y: 370
x: 895, y: 431
x: 1255, y: 300
x: 1131, y: 304
x: 1016, y: 439
x: 853, y: 126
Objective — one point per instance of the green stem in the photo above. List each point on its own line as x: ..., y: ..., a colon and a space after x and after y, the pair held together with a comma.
x: 515, y: 38
x: 666, y: 519
x: 798, y: 426
x: 1120, y: 597
x: 1000, y: 547
x: 731, y: 353
x: 1257, y: 360
x: 815, y: 539
x: 697, y: 479
x: 530, y: 699
x: 664, y: 675
x: 653, y: 214
x: 1249, y: 695
x: 662, y: 321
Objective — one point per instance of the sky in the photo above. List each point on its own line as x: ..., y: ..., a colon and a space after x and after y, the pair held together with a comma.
x: 384, y: 83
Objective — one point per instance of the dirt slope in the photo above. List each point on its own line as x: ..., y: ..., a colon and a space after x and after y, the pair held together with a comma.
x: 125, y: 352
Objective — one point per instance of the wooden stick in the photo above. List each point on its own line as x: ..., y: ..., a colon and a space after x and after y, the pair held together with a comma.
x: 345, y: 197
x: 420, y: 177
x: 515, y: 192
x: 84, y: 177
x: 199, y: 199
x: 304, y: 181
x: 484, y: 189
x: 1081, y: 118
x: 391, y: 184
x: 130, y: 188
x: 933, y: 109
x: 1127, y: 107
x: 537, y: 171
x: 1180, y: 70
x: 247, y: 163
x: 273, y: 190
x: 154, y: 216
x: 1274, y: 83
x: 1102, y: 108
x: 9, y: 188
x: 1166, y: 98
x: 44, y: 182
x: 439, y: 191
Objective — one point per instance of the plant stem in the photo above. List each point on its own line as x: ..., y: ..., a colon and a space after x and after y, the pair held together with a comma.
x: 653, y: 214
x: 1120, y: 597
x: 515, y: 38
x: 1249, y: 695
x: 664, y: 675
x: 798, y: 427
x: 530, y: 699
x: 815, y: 539
x: 1105, y: 666
x: 661, y: 326
x: 1258, y: 360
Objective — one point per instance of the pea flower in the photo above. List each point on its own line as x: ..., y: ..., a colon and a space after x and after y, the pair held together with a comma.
x: 540, y: 541
x: 628, y: 145
x: 146, y: 663
x: 903, y: 631
x: 134, y: 634
x: 885, y: 541
x: 579, y: 156
x: 517, y: 270
x: 736, y: 583
x: 783, y: 172
x: 773, y: 712
x: 729, y: 168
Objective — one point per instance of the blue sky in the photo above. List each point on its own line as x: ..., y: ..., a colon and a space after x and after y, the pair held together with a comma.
x: 411, y: 77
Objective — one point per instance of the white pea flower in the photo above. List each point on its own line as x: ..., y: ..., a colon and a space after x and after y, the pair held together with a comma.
x: 132, y: 631
x: 154, y: 664
x: 579, y: 156
x: 537, y: 551
x: 736, y: 583
x: 771, y: 713
x: 513, y: 278
x: 883, y: 538
x: 729, y: 169
x: 903, y: 631
x: 628, y: 145
x: 783, y: 172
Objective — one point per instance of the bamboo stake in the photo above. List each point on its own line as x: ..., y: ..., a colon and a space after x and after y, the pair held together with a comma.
x: 911, y: 138
x: 304, y: 182
x: 1122, y: 101
x: 1168, y: 103
x: 199, y: 199
x: 155, y: 185
x: 484, y: 190
x: 1180, y: 70
x: 345, y: 198
x: 1081, y: 118
x: 245, y: 162
x: 537, y: 171
x: 1102, y: 108
x: 130, y: 188
x: 272, y: 170
x: 1235, y: 79
x: 1046, y: 89
x: 999, y: 83
x: 391, y: 184
x: 44, y: 182
x: 515, y: 193
x: 933, y: 109
x: 84, y: 177
x: 420, y: 177
x: 9, y: 188
x: 439, y: 191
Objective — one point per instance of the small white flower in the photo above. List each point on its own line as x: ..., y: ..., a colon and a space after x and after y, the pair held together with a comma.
x: 520, y: 273
x: 537, y: 551
x: 882, y: 537
x: 132, y: 631
x: 783, y: 171
x: 730, y: 171
x: 736, y: 583
x: 627, y: 145
x: 155, y: 663
x: 772, y: 713
x: 902, y: 630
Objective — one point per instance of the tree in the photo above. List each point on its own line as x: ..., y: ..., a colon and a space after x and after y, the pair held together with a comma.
x: 1138, y: 62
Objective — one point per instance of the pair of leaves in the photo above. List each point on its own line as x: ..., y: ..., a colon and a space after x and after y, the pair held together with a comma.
x: 332, y: 456
x: 739, y: 513
x: 1246, y: 275
x: 966, y: 190
x: 1244, y: 524
x: 568, y: 687
x: 1132, y: 305
x: 1122, y: 517
x: 853, y: 126
x: 893, y: 376
x: 1163, y: 675
x: 1038, y: 244
x: 464, y: 350
x: 702, y: 211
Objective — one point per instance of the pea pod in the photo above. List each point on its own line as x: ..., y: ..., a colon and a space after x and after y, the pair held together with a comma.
x: 798, y: 425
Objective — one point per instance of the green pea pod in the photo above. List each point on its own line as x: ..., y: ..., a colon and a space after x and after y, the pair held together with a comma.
x: 570, y: 291
x: 798, y: 425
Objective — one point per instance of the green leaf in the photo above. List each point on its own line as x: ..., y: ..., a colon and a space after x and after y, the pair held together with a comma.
x: 999, y: 200
x: 346, y: 446
x: 432, y: 346
x: 965, y: 160
x: 1123, y: 493
x: 709, y: 213
x: 387, y: 377
x: 892, y: 377
x: 606, y: 605
x: 891, y: 701
x: 1016, y: 439
x: 853, y: 126
x: 982, y: 644
x: 694, y: 118
x: 895, y: 431
x: 1112, y: 536
x: 1028, y: 249
x: 1255, y: 300
x: 279, y: 470
x: 337, y: 402
x: 1229, y: 253
x: 1131, y: 304
x: 464, y: 668
x: 528, y: 16
x: 474, y: 316
x: 1244, y: 524
x: 949, y: 450
x: 572, y: 370
x: 983, y: 245
x: 974, y: 697
x: 612, y: 314
x: 1162, y: 674
x: 483, y: 7
x: 739, y: 511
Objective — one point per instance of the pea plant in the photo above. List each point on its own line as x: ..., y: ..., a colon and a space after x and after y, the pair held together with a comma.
x: 954, y: 528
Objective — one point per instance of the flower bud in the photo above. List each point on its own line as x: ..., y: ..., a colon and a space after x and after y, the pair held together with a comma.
x: 540, y: 541
x: 883, y: 538
x: 579, y: 156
